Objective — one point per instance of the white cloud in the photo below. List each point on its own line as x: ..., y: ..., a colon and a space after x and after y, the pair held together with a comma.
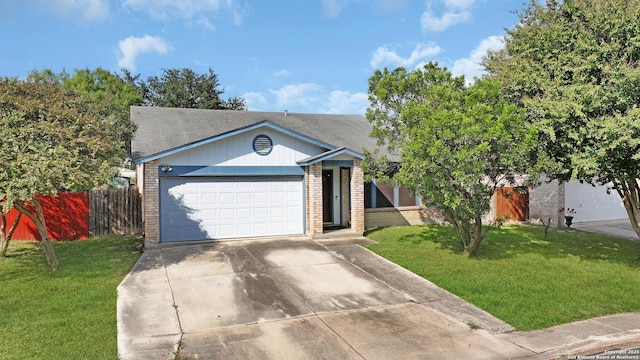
x: 307, y: 98
x: 200, y: 10
x: 430, y: 22
x: 282, y: 73
x: 457, y: 11
x: 205, y: 23
x: 385, y: 57
x: 132, y: 46
x: 471, y: 67
x: 296, y: 96
x: 255, y: 101
x: 344, y: 102
x: 333, y: 7
x: 86, y: 10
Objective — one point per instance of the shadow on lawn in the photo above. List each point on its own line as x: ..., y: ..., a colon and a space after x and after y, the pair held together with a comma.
x: 508, y: 241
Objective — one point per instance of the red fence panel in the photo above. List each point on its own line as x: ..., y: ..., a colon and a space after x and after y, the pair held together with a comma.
x: 66, y: 215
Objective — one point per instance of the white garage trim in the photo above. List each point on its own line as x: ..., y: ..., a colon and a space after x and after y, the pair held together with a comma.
x: 197, y: 208
x: 593, y: 203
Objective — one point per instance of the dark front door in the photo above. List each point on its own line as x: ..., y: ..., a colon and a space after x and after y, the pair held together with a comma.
x: 327, y: 196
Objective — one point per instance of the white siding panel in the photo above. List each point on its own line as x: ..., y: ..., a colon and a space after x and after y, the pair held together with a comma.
x: 238, y: 151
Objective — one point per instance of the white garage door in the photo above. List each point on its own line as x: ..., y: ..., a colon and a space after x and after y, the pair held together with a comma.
x: 593, y: 203
x: 219, y: 208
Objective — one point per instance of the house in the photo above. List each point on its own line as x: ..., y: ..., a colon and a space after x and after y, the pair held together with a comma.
x: 552, y: 199
x: 218, y: 174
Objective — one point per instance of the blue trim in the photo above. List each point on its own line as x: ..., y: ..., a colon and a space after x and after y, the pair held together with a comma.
x: 262, y: 124
x: 231, y: 171
x: 328, y: 155
x: 338, y: 163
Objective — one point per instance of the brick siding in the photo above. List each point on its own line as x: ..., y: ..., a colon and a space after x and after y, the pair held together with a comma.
x: 357, y: 197
x: 407, y: 215
x: 545, y: 201
x: 151, y: 203
x: 314, y: 199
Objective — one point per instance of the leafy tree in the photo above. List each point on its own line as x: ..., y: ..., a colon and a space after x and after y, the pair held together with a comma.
x: 455, y: 144
x: 109, y: 95
x: 183, y: 88
x: 574, y: 65
x: 52, y: 141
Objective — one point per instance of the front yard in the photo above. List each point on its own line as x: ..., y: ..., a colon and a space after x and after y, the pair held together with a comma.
x: 518, y: 276
x: 67, y: 314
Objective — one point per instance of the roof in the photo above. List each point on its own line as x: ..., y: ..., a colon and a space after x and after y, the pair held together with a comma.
x: 162, y: 130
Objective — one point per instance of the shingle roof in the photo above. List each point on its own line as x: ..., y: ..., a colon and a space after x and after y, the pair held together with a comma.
x: 163, y: 129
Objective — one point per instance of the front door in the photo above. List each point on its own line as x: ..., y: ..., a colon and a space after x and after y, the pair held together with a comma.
x: 327, y: 196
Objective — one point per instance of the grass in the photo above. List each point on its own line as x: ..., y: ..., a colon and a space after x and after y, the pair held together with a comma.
x: 69, y: 313
x: 519, y: 277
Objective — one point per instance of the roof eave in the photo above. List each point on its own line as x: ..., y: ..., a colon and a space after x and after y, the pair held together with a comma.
x: 263, y: 123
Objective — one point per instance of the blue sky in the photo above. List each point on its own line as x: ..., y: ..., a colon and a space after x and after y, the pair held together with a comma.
x: 310, y: 56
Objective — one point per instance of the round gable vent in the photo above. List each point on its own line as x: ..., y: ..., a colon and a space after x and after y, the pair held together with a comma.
x: 262, y: 145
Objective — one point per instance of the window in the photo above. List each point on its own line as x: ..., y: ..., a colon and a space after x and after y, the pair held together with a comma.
x: 385, y: 195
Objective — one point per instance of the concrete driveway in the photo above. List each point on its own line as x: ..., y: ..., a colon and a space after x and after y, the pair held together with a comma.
x: 294, y: 299
x: 616, y: 228
x: 302, y: 299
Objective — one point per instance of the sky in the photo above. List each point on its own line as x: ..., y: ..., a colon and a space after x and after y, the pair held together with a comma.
x: 304, y: 56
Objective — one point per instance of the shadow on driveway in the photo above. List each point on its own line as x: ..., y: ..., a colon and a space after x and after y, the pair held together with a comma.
x: 294, y: 298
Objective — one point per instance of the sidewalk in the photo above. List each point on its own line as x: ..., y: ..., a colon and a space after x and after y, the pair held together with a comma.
x: 582, y: 337
x: 558, y: 342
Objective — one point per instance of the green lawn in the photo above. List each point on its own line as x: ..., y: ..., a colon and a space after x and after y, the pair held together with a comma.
x: 67, y: 314
x: 518, y: 276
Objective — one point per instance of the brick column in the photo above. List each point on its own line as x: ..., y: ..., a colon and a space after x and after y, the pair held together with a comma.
x: 357, y: 197
x: 561, y: 205
x: 314, y: 199
x: 545, y: 201
x: 151, y: 203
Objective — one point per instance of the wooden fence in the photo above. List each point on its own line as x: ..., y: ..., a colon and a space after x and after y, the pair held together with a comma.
x: 71, y: 216
x: 115, y: 212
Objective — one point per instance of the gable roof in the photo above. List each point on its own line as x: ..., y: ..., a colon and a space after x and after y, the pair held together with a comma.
x: 163, y: 130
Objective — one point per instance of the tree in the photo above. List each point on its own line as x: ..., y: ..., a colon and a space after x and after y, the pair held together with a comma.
x: 574, y: 65
x: 52, y: 141
x: 455, y: 144
x: 183, y: 88
x: 109, y: 95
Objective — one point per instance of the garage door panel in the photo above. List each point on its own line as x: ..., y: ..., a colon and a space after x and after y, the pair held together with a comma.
x: 593, y: 203
x: 210, y: 208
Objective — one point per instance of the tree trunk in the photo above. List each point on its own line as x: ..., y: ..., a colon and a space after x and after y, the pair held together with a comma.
x: 39, y: 222
x: 630, y: 194
x: 6, y: 237
x: 4, y: 242
x: 476, y: 238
